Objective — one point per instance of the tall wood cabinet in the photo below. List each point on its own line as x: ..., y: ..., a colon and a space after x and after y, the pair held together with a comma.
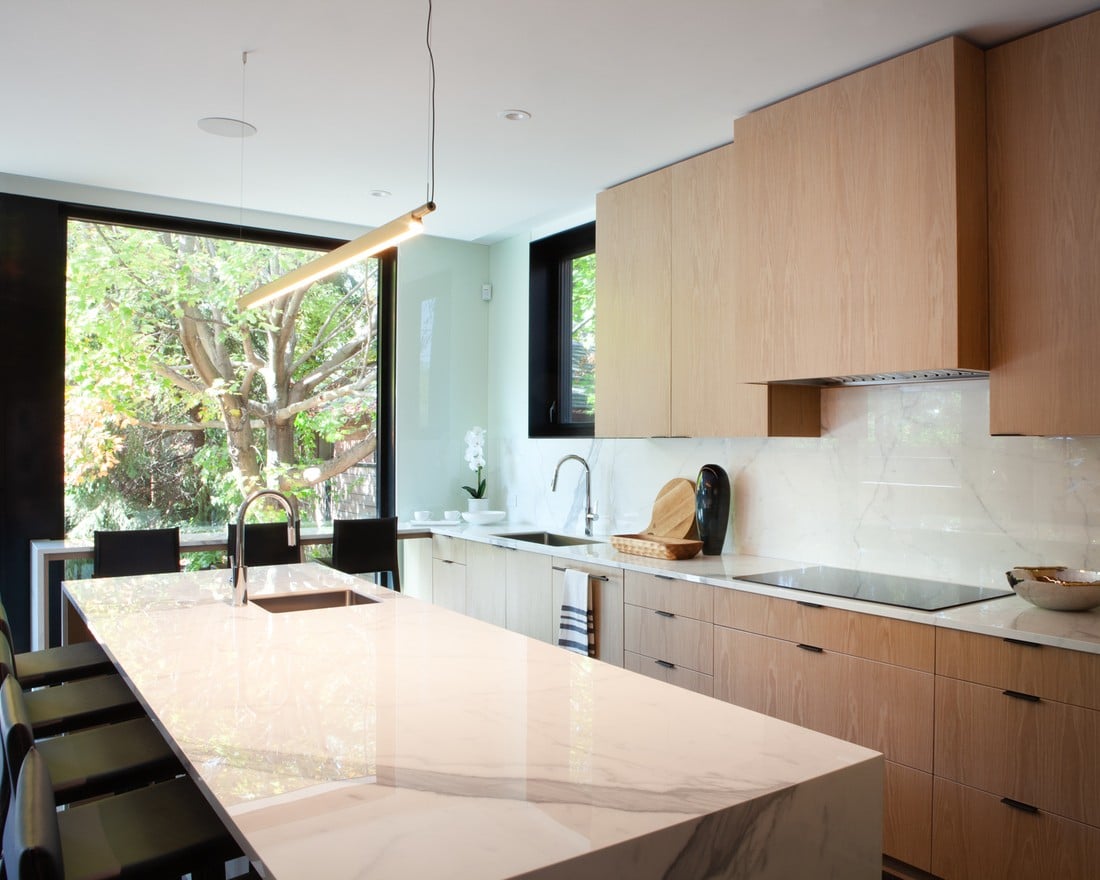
x: 1044, y: 186
x: 861, y: 223
x: 664, y: 288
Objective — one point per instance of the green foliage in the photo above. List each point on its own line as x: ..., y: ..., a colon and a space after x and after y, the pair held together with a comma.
x: 583, y: 355
x: 161, y: 364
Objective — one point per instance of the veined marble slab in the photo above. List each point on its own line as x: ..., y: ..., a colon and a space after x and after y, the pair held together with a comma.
x: 401, y: 740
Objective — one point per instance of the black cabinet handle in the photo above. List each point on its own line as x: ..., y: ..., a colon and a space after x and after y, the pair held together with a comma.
x: 1022, y: 643
x: 1017, y: 695
x: 664, y: 577
x: 598, y: 577
x: 664, y: 613
x: 1020, y: 805
x: 665, y: 664
x: 813, y: 648
x: 810, y: 605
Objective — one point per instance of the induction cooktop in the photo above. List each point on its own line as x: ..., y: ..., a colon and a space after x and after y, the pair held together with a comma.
x: 888, y: 589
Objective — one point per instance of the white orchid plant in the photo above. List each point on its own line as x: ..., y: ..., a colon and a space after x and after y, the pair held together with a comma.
x: 475, y: 459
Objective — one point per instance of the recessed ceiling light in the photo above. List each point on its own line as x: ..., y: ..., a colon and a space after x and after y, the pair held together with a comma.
x: 224, y: 126
x: 514, y: 115
x: 381, y: 193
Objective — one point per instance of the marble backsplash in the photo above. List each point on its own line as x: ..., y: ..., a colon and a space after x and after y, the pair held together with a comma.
x: 905, y: 479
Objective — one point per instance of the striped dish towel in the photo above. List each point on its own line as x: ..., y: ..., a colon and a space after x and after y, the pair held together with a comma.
x: 576, y: 631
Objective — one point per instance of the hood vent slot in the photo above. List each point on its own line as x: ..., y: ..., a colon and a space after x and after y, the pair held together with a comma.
x: 889, y: 378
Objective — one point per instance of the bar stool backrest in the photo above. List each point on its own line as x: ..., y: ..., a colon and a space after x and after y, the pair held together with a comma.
x: 265, y: 544
x: 362, y: 546
x: 32, y: 838
x: 136, y: 551
x: 16, y: 736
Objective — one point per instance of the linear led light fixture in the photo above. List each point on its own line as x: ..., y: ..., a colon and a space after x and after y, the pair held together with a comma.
x: 385, y: 236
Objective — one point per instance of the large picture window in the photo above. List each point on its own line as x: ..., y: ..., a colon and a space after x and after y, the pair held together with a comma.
x: 178, y: 403
x: 562, y: 373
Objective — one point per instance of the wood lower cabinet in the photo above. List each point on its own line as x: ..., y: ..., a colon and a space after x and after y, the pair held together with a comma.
x: 486, y: 582
x: 607, y: 599
x: 978, y: 835
x: 668, y: 630
x: 449, y: 573
x: 801, y: 662
x: 529, y: 603
x: 1044, y: 263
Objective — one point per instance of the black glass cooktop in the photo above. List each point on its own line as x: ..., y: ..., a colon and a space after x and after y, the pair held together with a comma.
x: 888, y: 589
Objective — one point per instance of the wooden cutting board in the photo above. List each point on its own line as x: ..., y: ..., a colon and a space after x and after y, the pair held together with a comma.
x: 674, y: 511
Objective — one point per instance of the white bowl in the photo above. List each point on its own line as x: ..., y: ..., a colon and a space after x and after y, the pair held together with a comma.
x: 1056, y: 588
x: 484, y: 517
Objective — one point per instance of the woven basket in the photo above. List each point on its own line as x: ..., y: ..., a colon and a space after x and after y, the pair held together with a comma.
x: 657, y: 548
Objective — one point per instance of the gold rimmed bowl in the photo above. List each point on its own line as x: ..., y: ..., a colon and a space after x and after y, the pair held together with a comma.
x: 1056, y: 588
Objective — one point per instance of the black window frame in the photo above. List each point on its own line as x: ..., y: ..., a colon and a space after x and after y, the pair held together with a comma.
x: 550, y: 331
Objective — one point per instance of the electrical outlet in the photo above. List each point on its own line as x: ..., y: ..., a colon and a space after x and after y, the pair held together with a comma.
x: 486, y: 292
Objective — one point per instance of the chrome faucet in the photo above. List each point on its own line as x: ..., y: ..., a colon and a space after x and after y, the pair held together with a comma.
x: 589, y: 516
x: 238, y: 573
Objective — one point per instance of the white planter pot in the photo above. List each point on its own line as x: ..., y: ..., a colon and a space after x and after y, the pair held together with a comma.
x: 476, y: 505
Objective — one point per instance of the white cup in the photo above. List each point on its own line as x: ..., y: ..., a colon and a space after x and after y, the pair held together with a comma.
x: 422, y: 515
x: 450, y: 514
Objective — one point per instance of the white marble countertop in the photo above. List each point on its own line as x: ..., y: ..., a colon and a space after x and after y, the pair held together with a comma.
x: 398, y: 739
x: 1007, y: 617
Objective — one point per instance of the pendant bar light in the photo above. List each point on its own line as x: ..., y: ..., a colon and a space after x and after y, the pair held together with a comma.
x: 386, y: 236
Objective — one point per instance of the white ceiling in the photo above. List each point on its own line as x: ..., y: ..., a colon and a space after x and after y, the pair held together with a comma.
x: 107, y: 93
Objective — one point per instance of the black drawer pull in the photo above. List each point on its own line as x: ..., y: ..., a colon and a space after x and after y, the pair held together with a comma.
x: 665, y: 664
x: 1022, y: 643
x: 664, y: 613
x: 1031, y: 698
x: 664, y: 577
x: 810, y: 605
x: 1020, y: 805
x: 813, y: 648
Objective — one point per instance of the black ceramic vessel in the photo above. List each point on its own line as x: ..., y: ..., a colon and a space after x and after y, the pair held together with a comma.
x: 712, y: 507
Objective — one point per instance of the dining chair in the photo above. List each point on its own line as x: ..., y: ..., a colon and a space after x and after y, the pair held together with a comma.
x: 89, y: 763
x: 135, y: 551
x: 365, y: 546
x: 74, y: 705
x: 50, y: 666
x: 161, y: 830
x: 266, y: 544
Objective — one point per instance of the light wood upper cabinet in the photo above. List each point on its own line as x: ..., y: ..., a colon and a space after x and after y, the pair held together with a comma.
x: 1044, y: 186
x: 664, y: 291
x: 861, y: 223
x: 633, y: 307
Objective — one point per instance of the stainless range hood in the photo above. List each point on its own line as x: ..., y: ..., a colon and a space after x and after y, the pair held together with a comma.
x: 888, y: 378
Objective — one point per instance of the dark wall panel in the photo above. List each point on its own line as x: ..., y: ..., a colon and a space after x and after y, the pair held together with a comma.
x: 32, y: 366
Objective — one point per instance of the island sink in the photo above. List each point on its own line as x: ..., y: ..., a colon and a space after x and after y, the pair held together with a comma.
x: 311, y: 601
x: 548, y: 539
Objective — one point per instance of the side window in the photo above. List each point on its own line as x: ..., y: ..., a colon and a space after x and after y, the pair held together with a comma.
x: 562, y: 372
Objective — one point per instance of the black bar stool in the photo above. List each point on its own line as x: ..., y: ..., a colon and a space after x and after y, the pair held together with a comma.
x: 135, y: 551
x: 365, y: 546
x: 52, y: 666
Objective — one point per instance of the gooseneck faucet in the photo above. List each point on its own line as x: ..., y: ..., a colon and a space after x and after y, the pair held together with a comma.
x: 589, y: 516
x: 238, y: 573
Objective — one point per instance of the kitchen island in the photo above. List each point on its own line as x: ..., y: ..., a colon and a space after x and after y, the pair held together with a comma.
x: 397, y: 739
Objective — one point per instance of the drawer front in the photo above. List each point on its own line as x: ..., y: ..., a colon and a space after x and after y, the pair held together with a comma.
x: 974, y: 835
x: 884, y: 707
x: 680, y: 597
x: 1042, y: 753
x: 680, y: 676
x: 683, y: 641
x: 449, y: 585
x: 1048, y: 672
x: 448, y: 548
x: 900, y: 642
x: 907, y: 815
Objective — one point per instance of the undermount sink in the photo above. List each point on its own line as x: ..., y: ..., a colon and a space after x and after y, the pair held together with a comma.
x: 311, y: 601
x: 548, y: 539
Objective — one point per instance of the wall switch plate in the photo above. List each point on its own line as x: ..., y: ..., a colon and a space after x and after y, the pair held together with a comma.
x: 486, y: 292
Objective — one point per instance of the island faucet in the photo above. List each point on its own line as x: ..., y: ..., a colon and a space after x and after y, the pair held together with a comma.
x: 589, y: 516
x: 238, y: 573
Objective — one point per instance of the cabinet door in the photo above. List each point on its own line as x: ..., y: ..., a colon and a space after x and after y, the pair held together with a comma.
x: 449, y: 585
x: 528, y: 606
x: 680, y: 641
x: 1044, y: 263
x: 633, y: 278
x: 607, y: 597
x: 486, y: 578
x: 861, y: 245
x: 884, y: 707
x: 975, y: 834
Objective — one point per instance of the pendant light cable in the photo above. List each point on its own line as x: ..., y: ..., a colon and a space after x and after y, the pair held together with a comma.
x: 431, y: 108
